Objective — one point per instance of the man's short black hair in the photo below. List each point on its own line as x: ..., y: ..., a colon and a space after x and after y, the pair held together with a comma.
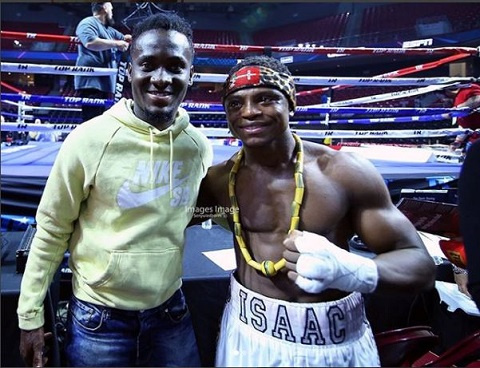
x: 168, y: 21
x: 96, y: 7
x: 261, y: 60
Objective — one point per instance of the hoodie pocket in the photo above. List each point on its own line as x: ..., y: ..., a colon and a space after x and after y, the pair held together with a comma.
x: 141, y: 272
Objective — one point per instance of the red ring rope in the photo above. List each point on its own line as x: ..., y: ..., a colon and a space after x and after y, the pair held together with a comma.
x: 394, y: 74
x: 291, y: 49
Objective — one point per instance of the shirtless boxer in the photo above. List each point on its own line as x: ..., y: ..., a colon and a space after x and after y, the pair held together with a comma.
x: 296, y: 300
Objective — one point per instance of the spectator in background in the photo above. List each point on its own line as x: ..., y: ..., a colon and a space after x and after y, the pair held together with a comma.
x: 43, y: 136
x: 99, y: 42
x: 34, y: 134
x: 468, y: 96
x: 469, y: 206
x: 4, y: 135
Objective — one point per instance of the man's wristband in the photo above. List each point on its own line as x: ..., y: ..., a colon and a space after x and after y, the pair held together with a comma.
x: 459, y: 270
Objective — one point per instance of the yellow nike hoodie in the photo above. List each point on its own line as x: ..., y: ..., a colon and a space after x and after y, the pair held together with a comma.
x: 118, y: 197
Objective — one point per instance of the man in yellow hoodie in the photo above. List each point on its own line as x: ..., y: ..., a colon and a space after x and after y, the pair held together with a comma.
x: 117, y: 200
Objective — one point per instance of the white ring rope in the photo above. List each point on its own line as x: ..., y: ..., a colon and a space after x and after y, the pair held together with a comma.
x: 217, y: 109
x: 220, y: 78
x: 304, y: 133
x: 30, y: 108
x: 357, y: 134
x: 384, y: 96
x: 362, y: 81
x: 26, y: 127
x: 308, y: 133
x: 57, y: 69
x: 11, y: 103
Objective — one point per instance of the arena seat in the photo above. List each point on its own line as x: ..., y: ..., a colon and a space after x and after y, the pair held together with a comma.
x: 465, y: 353
x: 400, y: 19
x: 326, y: 31
x: 402, y: 347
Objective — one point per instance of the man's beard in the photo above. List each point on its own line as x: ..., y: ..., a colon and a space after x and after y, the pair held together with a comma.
x: 110, y: 21
x: 163, y: 119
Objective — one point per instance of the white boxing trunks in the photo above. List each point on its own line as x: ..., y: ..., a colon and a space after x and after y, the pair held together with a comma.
x: 257, y: 331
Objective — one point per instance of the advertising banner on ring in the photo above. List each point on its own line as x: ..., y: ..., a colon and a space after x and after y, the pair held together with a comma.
x: 122, y: 85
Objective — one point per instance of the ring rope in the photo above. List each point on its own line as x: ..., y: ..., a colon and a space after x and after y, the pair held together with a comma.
x: 362, y: 81
x: 220, y: 78
x: 57, y: 69
x: 201, y: 107
x: 31, y: 108
x: 401, y: 119
x: 18, y: 116
x: 10, y: 87
x: 394, y: 74
x: 290, y: 49
x: 10, y: 102
x: 303, y: 133
x: 57, y: 99
x: 27, y: 127
x: 359, y: 134
x: 336, y: 82
x: 462, y: 111
x: 385, y: 96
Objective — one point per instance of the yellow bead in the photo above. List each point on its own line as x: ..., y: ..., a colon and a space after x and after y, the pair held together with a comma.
x: 295, y: 209
x: 298, y: 198
x: 268, y: 268
x: 294, y: 223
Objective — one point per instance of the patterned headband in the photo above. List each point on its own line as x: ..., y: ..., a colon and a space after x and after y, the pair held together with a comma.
x: 259, y: 76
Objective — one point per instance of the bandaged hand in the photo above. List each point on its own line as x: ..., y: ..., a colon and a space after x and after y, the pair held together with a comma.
x: 323, y: 265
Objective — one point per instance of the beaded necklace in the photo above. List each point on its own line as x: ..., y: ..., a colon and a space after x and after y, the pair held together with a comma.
x: 268, y: 268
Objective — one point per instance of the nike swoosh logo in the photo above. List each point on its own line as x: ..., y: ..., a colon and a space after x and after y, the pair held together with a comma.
x: 127, y: 199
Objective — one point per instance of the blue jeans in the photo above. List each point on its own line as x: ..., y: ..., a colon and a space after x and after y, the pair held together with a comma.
x: 99, y: 336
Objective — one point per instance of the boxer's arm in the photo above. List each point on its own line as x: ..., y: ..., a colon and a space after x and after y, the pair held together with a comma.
x: 402, y: 262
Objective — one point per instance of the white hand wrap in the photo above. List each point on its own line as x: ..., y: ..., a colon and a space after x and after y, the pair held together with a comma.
x: 322, y: 265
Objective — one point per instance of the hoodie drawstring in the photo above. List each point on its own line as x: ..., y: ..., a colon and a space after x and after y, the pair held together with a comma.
x: 171, y: 163
x: 170, y: 136
x: 151, y: 157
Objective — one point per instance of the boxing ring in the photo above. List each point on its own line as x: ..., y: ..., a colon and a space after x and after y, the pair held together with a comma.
x: 353, y: 125
x: 402, y: 164
x: 36, y: 159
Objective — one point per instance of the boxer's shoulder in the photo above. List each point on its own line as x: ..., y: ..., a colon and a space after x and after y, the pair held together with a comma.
x: 331, y: 161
